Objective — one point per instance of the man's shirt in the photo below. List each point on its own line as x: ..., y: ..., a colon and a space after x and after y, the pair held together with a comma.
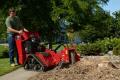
x: 13, y: 22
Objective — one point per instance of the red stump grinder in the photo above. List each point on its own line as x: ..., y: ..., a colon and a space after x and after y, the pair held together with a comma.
x: 35, y: 56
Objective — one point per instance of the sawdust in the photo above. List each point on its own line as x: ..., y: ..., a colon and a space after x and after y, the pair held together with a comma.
x: 101, y: 68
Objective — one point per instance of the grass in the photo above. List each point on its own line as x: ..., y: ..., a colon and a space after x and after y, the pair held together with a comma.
x: 4, y: 61
x: 59, y: 49
x: 3, y: 51
x: 5, y: 66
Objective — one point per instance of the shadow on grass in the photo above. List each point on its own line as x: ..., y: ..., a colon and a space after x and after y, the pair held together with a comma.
x: 4, y: 54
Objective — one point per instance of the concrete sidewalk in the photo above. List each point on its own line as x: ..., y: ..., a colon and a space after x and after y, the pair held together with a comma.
x: 4, y: 44
x: 19, y: 74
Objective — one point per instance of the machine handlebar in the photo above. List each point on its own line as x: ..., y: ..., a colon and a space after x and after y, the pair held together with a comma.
x: 27, y: 35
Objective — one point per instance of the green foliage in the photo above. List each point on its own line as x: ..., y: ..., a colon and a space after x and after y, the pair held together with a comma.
x: 89, y: 49
x: 116, y: 24
x: 88, y: 33
x: 2, y: 27
x: 86, y: 16
x: 116, y: 50
x: 98, y: 47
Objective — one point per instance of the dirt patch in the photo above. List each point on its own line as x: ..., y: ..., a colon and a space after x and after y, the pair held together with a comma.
x: 91, y: 68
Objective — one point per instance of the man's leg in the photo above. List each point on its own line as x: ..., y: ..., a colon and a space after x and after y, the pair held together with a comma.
x: 11, y: 43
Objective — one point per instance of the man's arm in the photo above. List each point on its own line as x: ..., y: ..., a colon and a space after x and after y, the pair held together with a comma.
x: 10, y: 29
x: 26, y: 30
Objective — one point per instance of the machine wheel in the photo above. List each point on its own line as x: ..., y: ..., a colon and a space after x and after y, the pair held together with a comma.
x: 26, y: 66
x: 35, y: 68
x: 72, y: 55
x: 29, y: 63
x: 39, y: 67
x: 33, y: 64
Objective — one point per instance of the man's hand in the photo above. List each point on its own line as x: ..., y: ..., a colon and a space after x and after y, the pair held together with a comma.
x: 10, y: 29
x: 26, y: 30
x: 20, y: 32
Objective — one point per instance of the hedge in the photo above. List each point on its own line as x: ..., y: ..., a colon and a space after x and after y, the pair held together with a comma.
x: 99, y: 47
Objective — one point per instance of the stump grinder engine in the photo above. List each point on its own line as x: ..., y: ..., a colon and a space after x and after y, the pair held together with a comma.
x: 34, y: 56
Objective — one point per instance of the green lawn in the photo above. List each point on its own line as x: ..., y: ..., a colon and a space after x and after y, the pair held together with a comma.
x: 5, y: 66
x: 3, y: 51
x: 4, y: 61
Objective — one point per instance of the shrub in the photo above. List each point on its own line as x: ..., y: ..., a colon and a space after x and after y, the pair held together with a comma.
x: 89, y: 49
x: 100, y: 46
x: 116, y: 50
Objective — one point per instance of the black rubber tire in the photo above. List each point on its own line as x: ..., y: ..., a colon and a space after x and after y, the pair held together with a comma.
x: 72, y: 57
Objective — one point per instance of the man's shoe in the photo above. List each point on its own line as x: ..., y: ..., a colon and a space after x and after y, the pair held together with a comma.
x: 12, y: 64
x: 16, y: 64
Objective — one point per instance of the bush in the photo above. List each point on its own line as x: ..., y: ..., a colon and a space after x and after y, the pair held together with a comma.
x: 98, y: 47
x: 116, y: 50
x: 89, y: 49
